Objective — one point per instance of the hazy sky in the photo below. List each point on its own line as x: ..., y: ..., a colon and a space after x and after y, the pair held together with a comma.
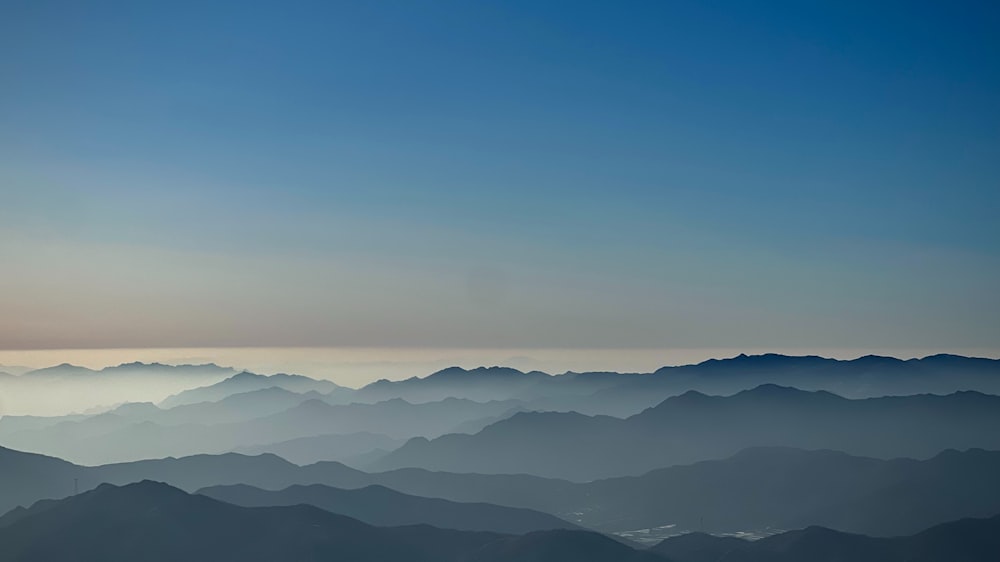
x: 675, y: 174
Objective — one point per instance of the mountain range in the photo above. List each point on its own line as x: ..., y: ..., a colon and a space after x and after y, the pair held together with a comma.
x: 624, y: 394
x: 694, y: 426
x: 152, y: 521
x: 815, y: 459
x: 753, y: 490
x: 240, y: 421
x: 248, y: 382
x: 66, y: 388
x: 609, y: 393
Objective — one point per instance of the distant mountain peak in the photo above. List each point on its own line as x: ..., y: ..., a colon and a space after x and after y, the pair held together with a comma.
x: 494, y: 370
x: 872, y: 359
x: 246, y: 375
x: 773, y: 389
x: 137, y: 364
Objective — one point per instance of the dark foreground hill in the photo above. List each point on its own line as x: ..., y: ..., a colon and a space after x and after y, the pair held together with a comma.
x: 966, y: 540
x: 381, y: 506
x: 694, y: 427
x: 154, y: 522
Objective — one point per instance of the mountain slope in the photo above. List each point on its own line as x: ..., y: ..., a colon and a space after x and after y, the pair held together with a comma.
x: 381, y: 506
x: 26, y: 478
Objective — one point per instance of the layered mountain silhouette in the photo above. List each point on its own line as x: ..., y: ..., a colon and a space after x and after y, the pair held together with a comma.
x: 384, y: 507
x: 755, y: 489
x: 67, y: 370
x: 34, y: 477
x: 782, y: 488
x: 618, y: 394
x: 624, y: 394
x: 236, y: 407
x: 66, y: 388
x: 153, y: 521
x: 248, y: 382
x: 966, y: 540
x: 480, y: 384
x: 242, y: 421
x: 26, y: 478
x: 872, y: 459
x: 694, y: 427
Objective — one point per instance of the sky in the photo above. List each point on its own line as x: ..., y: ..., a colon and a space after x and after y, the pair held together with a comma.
x: 500, y: 175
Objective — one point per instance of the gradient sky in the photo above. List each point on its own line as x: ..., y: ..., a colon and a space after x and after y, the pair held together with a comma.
x: 500, y: 174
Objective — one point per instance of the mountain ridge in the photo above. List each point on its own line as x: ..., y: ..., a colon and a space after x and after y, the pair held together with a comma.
x: 698, y: 427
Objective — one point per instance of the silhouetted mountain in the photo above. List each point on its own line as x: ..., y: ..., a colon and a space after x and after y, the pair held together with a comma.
x: 480, y: 384
x: 68, y: 388
x: 196, y: 428
x: 381, y: 506
x: 237, y: 407
x: 26, y: 478
x: 337, y: 447
x: 693, y: 427
x: 592, y: 393
x: 780, y: 488
x: 966, y: 540
x: 152, y: 521
x: 135, y: 368
x: 41, y: 481
x: 248, y: 382
x: 624, y: 394
x: 233, y: 408
x: 756, y: 489
x: 129, y: 431
x: 61, y: 370
x: 864, y: 377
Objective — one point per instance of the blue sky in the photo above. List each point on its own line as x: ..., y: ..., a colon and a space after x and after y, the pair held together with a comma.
x: 500, y: 174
